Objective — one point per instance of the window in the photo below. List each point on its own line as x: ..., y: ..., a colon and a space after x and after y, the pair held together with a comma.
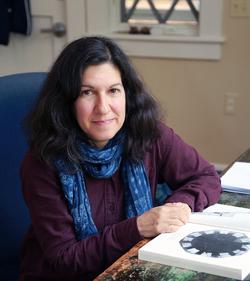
x: 159, y: 11
x: 161, y: 17
x: 186, y: 32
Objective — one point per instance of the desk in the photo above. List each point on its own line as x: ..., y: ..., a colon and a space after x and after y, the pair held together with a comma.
x: 129, y: 268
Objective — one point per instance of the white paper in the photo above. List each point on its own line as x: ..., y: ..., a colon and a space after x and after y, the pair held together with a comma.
x: 237, y: 178
x: 166, y: 249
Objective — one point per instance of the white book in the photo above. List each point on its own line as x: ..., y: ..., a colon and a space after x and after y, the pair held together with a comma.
x: 237, y: 178
x: 216, y: 241
x: 223, y: 216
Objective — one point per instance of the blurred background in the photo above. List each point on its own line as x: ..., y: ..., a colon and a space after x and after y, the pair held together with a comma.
x: 194, y: 57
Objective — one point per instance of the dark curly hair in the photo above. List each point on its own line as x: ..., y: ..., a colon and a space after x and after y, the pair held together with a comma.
x: 51, y: 126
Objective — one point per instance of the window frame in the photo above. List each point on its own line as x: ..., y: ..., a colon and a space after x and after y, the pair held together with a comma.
x: 177, y: 15
x: 100, y: 18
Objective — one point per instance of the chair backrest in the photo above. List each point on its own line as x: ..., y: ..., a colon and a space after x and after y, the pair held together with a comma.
x: 17, y: 93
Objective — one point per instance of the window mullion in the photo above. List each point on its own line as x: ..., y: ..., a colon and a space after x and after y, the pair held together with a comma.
x: 170, y: 11
x: 128, y: 15
x: 193, y: 9
x: 156, y: 12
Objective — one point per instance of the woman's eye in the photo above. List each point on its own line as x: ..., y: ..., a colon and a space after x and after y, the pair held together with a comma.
x: 114, y: 91
x: 86, y: 92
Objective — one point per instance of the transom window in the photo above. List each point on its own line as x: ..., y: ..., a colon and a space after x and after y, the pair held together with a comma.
x: 160, y: 17
x: 160, y: 11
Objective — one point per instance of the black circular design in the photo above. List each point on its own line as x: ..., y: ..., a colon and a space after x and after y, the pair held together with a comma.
x: 216, y: 243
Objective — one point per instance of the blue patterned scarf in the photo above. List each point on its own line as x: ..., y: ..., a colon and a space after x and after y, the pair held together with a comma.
x: 101, y: 164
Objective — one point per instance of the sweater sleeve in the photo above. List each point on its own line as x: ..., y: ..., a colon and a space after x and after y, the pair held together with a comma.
x: 54, y: 229
x: 192, y: 179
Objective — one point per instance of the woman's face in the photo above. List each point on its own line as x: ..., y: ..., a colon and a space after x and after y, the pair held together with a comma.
x: 100, y: 107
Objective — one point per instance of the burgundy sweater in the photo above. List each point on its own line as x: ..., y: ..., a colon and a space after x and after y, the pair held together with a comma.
x: 51, y: 251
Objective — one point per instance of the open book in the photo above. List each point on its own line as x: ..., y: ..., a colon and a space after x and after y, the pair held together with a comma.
x: 215, y: 241
x: 237, y: 178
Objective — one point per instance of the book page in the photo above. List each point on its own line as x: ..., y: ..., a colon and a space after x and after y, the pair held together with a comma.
x: 223, y: 216
x: 237, y: 178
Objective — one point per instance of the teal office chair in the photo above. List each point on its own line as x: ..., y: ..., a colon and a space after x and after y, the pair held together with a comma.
x: 17, y: 93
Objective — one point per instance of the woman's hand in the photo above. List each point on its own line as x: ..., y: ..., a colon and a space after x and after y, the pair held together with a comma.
x: 166, y: 218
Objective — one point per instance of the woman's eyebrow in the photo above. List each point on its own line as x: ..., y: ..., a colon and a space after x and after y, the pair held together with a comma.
x: 87, y: 86
x: 92, y: 87
x: 116, y: 84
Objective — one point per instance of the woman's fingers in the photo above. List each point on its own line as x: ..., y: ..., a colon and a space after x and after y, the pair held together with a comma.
x: 167, y: 218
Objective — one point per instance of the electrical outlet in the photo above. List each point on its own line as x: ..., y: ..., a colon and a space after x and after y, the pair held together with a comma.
x: 230, y: 103
x: 240, y: 8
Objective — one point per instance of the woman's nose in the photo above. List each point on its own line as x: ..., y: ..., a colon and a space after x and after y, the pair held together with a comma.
x: 102, y: 104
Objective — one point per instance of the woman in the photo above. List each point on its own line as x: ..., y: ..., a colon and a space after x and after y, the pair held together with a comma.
x: 97, y: 153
